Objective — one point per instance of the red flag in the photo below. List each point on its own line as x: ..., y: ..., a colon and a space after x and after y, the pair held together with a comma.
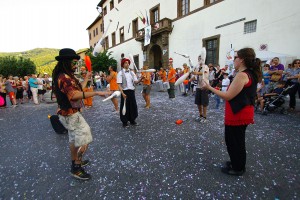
x: 143, y: 19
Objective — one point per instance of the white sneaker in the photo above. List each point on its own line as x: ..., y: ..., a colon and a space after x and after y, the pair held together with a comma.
x: 13, y: 106
x: 198, y: 119
x: 203, y: 120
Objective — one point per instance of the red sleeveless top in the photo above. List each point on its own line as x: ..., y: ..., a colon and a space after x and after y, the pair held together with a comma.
x: 243, y: 117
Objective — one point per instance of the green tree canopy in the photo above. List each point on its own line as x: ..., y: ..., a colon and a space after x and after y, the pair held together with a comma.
x: 16, y: 66
x: 102, y: 61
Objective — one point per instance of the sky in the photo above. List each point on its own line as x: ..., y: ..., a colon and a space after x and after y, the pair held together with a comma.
x: 29, y: 24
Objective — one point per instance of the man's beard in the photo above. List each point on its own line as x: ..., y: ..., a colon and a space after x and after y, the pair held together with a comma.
x: 73, y: 69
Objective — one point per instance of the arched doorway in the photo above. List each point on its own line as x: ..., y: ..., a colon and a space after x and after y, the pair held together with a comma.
x: 155, y: 57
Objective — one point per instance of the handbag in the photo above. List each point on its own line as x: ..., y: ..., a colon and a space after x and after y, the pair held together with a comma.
x: 275, y: 77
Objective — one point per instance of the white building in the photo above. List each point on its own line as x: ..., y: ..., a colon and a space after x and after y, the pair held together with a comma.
x: 185, y: 26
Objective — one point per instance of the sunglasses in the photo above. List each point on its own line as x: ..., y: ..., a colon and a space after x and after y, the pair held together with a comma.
x: 74, y: 63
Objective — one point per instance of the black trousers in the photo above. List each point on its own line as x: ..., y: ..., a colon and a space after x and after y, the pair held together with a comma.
x: 235, y: 142
x: 131, y: 107
x: 292, y: 94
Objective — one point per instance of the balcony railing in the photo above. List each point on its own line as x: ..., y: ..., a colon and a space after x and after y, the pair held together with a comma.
x: 163, y: 25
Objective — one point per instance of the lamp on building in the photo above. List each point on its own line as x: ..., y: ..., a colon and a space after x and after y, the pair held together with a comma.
x: 99, y: 9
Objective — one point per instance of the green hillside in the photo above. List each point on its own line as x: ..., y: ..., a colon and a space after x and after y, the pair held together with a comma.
x: 43, y: 58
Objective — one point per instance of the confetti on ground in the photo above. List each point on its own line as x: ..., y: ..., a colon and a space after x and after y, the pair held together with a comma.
x: 156, y: 160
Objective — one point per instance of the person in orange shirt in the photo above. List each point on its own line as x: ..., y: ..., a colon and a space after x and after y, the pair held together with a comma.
x: 113, y: 86
x: 171, y: 80
x: 88, y: 101
x: 162, y: 74
x: 146, y: 76
x: 162, y: 77
x: 186, y: 69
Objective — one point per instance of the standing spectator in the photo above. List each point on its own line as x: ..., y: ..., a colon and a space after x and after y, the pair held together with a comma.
x: 25, y: 87
x: 101, y: 74
x: 291, y: 77
x: 162, y: 74
x: 211, y: 76
x: 29, y: 93
x: 225, y: 82
x: 218, y: 76
x: 33, y: 83
x: 286, y: 72
x: 232, y: 75
x: 20, y: 90
x: 98, y: 81
x: 11, y: 92
x: 162, y: 77
x: 239, y: 108
x: 217, y: 98
x: 48, y: 81
x: 104, y: 79
x: 186, y: 87
x: 2, y: 90
x: 12, y: 83
x: 41, y: 87
x: 194, y: 83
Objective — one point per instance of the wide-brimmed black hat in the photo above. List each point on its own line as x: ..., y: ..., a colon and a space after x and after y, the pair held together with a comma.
x: 67, y: 54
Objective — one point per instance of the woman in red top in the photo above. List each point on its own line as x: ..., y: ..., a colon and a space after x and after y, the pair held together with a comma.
x: 239, y: 108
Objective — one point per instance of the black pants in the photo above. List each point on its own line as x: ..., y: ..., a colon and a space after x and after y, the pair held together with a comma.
x: 292, y: 94
x: 235, y: 142
x: 131, y: 107
x: 171, y: 91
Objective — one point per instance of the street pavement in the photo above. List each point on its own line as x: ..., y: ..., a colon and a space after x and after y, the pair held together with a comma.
x: 156, y: 160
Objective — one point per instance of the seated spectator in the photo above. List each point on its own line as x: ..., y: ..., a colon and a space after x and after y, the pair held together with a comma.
x: 275, y: 92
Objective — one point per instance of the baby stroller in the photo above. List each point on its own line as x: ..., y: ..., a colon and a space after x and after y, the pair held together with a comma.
x: 274, y: 103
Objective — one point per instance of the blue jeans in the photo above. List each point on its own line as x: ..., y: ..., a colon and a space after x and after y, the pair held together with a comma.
x: 98, y: 85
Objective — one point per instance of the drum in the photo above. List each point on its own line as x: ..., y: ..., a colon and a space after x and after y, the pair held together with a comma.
x: 159, y: 85
x: 166, y: 85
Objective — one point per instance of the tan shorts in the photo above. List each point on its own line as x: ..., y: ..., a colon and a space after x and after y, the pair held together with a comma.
x: 79, y: 131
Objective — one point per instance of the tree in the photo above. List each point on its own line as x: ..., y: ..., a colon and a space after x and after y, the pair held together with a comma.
x: 16, y: 66
x: 102, y: 61
x: 47, y: 68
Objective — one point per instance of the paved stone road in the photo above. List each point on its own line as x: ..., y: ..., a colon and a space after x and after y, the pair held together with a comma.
x: 156, y: 160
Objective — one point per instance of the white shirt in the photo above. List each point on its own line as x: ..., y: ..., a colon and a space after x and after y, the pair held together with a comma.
x: 98, y: 78
x: 211, y: 75
x: 40, y: 81
x: 225, y: 84
x: 204, y: 76
x: 130, y: 78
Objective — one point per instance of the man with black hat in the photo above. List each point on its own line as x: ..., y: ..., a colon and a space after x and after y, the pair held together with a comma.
x: 69, y: 96
x: 126, y: 80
